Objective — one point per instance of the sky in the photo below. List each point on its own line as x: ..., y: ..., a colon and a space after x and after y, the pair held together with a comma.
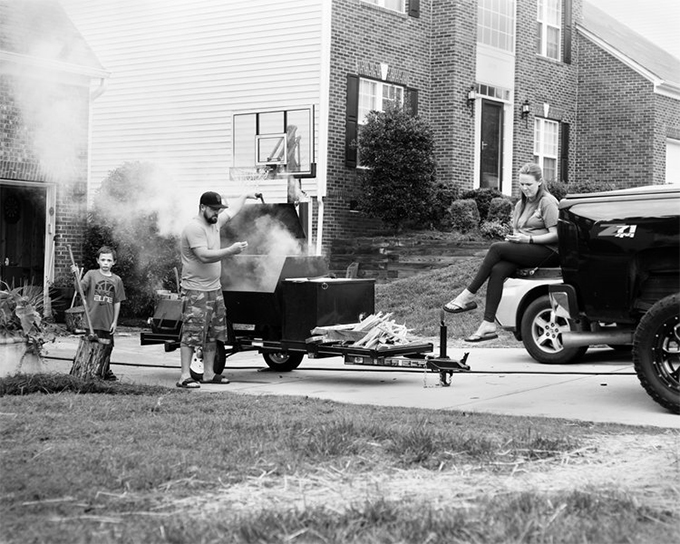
x: 656, y: 20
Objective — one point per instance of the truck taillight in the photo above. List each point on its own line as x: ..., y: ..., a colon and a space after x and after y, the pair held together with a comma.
x: 568, y: 244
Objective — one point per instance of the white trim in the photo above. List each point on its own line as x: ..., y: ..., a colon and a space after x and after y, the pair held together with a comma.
x: 46, y: 64
x: 324, y: 107
x: 49, y: 248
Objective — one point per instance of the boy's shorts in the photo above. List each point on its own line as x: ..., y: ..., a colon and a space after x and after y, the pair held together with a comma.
x: 204, y: 319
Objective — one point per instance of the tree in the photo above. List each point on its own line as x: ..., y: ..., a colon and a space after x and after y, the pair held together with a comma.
x: 130, y: 214
x: 397, y: 150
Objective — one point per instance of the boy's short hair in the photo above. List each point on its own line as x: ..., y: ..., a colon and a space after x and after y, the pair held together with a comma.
x: 107, y: 249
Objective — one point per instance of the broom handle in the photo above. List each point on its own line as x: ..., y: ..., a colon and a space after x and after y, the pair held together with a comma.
x: 80, y: 292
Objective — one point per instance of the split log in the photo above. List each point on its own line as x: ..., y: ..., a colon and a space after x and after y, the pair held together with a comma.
x: 92, y: 358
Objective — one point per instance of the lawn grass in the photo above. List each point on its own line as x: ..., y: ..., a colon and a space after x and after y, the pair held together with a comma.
x: 152, y: 465
x: 417, y: 302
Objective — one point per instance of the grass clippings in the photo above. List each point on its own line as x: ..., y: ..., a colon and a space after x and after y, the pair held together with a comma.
x: 163, y: 467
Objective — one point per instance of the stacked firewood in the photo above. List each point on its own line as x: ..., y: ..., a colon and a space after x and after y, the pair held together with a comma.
x: 371, y: 332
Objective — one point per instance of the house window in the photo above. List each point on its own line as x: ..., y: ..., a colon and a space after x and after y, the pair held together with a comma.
x: 394, y: 5
x: 376, y: 95
x: 496, y: 23
x: 545, y: 147
x: 549, y: 35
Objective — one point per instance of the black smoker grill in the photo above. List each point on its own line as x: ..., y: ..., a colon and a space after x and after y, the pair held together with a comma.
x: 276, y: 294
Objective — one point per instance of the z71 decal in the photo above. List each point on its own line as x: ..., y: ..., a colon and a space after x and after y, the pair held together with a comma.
x: 618, y: 231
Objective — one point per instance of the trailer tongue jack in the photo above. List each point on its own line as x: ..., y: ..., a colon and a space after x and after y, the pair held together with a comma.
x: 444, y: 364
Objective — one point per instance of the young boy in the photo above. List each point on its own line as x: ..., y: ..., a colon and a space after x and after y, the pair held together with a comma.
x: 104, y: 292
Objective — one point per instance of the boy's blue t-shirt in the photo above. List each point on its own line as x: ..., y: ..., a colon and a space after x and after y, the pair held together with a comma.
x: 102, y: 292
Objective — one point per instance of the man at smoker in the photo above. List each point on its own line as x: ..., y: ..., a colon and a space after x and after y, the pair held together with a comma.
x: 204, y: 316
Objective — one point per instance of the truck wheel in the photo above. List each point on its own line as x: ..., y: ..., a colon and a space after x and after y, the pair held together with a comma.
x: 656, y: 352
x: 542, y: 337
x: 282, y: 362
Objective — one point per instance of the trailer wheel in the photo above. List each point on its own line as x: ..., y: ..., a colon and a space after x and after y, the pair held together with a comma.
x: 282, y: 361
x: 196, y: 368
x: 656, y: 352
x: 542, y: 337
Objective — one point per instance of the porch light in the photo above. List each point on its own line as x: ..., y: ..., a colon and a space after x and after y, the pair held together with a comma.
x: 526, y: 110
x: 471, y: 97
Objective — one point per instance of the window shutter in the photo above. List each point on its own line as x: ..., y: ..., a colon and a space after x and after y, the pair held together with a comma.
x: 414, y: 8
x: 566, y: 53
x: 564, y: 156
x: 351, y: 120
x: 413, y: 101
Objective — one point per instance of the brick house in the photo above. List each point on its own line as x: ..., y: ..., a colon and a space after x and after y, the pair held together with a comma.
x: 629, y: 106
x: 46, y: 72
x: 500, y: 82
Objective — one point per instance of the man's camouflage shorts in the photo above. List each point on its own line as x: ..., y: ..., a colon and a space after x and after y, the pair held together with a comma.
x: 204, y: 319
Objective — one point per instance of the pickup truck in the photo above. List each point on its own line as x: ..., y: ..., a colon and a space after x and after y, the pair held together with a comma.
x: 618, y: 285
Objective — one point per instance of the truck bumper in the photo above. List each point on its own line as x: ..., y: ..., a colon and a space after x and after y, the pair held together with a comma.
x: 564, y: 304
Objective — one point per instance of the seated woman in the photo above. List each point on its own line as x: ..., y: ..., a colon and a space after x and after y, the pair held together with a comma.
x: 533, y: 243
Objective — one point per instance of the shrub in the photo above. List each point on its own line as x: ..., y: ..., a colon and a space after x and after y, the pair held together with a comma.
x: 464, y: 215
x: 495, y: 229
x: 558, y: 189
x: 398, y: 184
x: 500, y: 210
x: 589, y: 186
x: 483, y: 198
x: 122, y: 218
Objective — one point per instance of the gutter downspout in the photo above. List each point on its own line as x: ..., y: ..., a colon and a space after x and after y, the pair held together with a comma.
x: 324, y: 106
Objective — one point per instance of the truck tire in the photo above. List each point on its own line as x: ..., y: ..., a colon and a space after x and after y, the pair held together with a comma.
x: 282, y: 362
x: 656, y: 352
x: 542, y: 337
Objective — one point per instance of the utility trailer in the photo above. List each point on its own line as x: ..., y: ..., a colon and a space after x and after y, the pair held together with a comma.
x: 274, y: 300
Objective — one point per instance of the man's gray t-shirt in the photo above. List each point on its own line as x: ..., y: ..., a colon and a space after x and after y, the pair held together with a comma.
x: 196, y: 275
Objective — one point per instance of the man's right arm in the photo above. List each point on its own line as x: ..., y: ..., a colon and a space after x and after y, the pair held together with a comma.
x: 206, y: 255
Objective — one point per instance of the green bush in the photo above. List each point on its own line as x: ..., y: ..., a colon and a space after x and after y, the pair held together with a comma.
x: 483, y: 198
x: 589, y: 186
x: 495, y: 229
x: 558, y: 189
x: 397, y: 150
x: 464, y: 215
x: 122, y: 217
x: 500, y: 210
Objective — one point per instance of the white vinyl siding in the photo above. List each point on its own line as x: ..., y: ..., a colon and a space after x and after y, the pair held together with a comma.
x: 180, y: 70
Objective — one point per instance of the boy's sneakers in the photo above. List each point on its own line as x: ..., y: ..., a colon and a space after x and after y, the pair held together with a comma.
x: 110, y: 376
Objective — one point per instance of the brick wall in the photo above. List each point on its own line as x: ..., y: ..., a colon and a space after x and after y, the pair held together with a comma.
x: 542, y: 81
x: 21, y: 135
x: 363, y: 36
x: 616, y: 122
x: 454, y: 32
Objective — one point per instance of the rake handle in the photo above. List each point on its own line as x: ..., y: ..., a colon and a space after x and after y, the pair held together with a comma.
x: 80, y: 292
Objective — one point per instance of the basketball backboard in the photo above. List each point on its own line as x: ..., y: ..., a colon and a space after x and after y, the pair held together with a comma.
x: 277, y: 142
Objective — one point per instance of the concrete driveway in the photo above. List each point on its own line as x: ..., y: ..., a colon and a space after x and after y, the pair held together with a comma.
x: 602, y: 388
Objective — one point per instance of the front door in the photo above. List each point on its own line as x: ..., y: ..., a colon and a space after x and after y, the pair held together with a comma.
x: 22, y: 234
x: 491, y: 153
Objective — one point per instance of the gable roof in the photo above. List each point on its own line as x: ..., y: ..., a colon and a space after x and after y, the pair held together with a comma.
x: 39, y: 32
x: 648, y: 59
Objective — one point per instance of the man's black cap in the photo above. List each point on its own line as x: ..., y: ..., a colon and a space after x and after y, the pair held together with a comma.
x: 213, y: 200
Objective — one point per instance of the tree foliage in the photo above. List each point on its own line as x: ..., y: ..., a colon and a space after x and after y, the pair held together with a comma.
x: 125, y: 216
x: 397, y: 150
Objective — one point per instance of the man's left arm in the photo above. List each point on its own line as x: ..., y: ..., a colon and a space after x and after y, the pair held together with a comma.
x: 235, y: 207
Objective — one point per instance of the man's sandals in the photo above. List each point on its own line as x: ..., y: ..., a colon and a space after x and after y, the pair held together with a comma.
x: 189, y: 383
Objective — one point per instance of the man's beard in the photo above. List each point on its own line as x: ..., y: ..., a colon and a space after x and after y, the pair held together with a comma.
x: 210, y: 218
